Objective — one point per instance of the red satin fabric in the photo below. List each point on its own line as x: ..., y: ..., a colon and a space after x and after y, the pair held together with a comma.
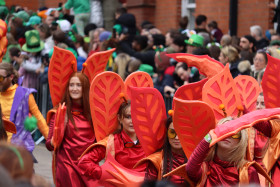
x: 178, y: 160
x: 221, y: 173
x: 261, y: 143
x: 127, y: 157
x: 275, y: 172
x: 73, y: 145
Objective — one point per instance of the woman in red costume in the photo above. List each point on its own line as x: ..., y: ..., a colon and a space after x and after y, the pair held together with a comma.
x: 221, y: 164
x: 79, y: 132
x: 127, y: 150
x: 173, y: 156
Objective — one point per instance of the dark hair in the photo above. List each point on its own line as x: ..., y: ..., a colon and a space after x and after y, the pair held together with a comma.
x: 180, y: 41
x: 89, y: 27
x: 159, y: 39
x: 121, y: 11
x: 145, y: 22
x: 213, y: 24
x: 214, y: 52
x: 85, y: 97
x: 168, y: 159
x: 10, y: 71
x: 14, y: 51
x: 45, y: 29
x: 173, y: 33
x: 141, y: 40
x: 201, y: 51
x: 184, y: 21
x: 121, y: 113
x: 200, y: 19
x: 61, y: 37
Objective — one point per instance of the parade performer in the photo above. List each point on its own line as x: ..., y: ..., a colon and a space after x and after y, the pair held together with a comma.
x: 71, y: 129
x: 16, y: 104
x: 171, y: 157
x: 122, y: 148
x: 271, y: 128
x: 221, y: 96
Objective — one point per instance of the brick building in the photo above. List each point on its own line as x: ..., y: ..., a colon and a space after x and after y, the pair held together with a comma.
x: 165, y: 14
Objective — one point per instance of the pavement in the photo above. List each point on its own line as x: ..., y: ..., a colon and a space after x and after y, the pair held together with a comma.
x: 44, y: 165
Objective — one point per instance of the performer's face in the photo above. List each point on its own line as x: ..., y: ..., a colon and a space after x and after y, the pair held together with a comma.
x: 5, y: 80
x: 126, y: 122
x: 174, y: 142
x: 75, y: 88
x: 260, y: 103
x: 228, y: 144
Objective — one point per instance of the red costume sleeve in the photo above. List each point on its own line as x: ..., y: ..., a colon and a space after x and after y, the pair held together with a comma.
x: 264, y: 127
x: 48, y: 142
x: 89, y: 162
x: 193, y: 167
x: 152, y: 172
x: 253, y: 176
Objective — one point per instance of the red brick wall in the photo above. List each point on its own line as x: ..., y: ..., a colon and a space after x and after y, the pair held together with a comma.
x: 142, y: 9
x: 250, y: 12
x: 167, y: 14
x: 215, y: 10
x: 34, y: 4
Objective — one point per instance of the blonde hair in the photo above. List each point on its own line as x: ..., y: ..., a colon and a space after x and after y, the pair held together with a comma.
x: 237, y: 153
x: 230, y: 52
x: 121, y: 62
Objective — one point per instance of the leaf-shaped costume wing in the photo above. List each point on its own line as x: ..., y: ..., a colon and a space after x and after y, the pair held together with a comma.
x: 249, y: 91
x: 3, y: 39
x: 192, y: 120
x: 138, y: 79
x: 59, y: 127
x: 221, y: 89
x: 105, y: 101
x: 115, y: 175
x: 96, y: 63
x: 59, y: 72
x: 191, y: 91
x: 148, y: 116
x: 206, y: 65
x: 270, y: 83
x: 248, y: 120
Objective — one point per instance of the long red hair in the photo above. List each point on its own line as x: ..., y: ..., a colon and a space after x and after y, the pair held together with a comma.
x: 85, y: 98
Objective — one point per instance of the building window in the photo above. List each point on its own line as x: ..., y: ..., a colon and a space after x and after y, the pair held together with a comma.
x: 188, y: 9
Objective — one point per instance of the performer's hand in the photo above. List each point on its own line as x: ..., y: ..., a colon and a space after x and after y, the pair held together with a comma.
x: 90, y: 169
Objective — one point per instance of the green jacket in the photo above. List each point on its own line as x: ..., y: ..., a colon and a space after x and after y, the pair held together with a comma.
x: 79, y: 6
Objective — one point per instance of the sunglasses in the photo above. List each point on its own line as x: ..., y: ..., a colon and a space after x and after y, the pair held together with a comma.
x: 171, y: 133
x: 2, y: 78
x: 236, y: 136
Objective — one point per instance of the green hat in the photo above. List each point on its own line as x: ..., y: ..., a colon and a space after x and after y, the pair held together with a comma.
x: 146, y: 68
x: 195, y: 40
x: 274, y: 42
x: 34, y: 20
x: 33, y: 43
x: 23, y: 15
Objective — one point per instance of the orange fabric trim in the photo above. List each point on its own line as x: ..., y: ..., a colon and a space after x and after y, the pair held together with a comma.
x: 50, y: 114
x: 110, y: 148
x: 273, y: 151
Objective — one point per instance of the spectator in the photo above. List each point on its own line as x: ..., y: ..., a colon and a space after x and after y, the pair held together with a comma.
x: 216, y: 33
x: 46, y: 37
x: 15, y: 57
x: 201, y: 21
x: 82, y: 13
x: 225, y: 40
x: 247, y: 43
x: 230, y: 55
x: 178, y: 44
x: 183, y: 23
x: 260, y: 62
x: 79, y: 44
x: 194, y: 42
x: 11, y: 44
x: 256, y: 32
x: 140, y: 43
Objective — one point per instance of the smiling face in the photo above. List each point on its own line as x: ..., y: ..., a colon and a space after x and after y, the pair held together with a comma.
x: 126, y: 122
x: 174, y: 142
x: 75, y: 89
